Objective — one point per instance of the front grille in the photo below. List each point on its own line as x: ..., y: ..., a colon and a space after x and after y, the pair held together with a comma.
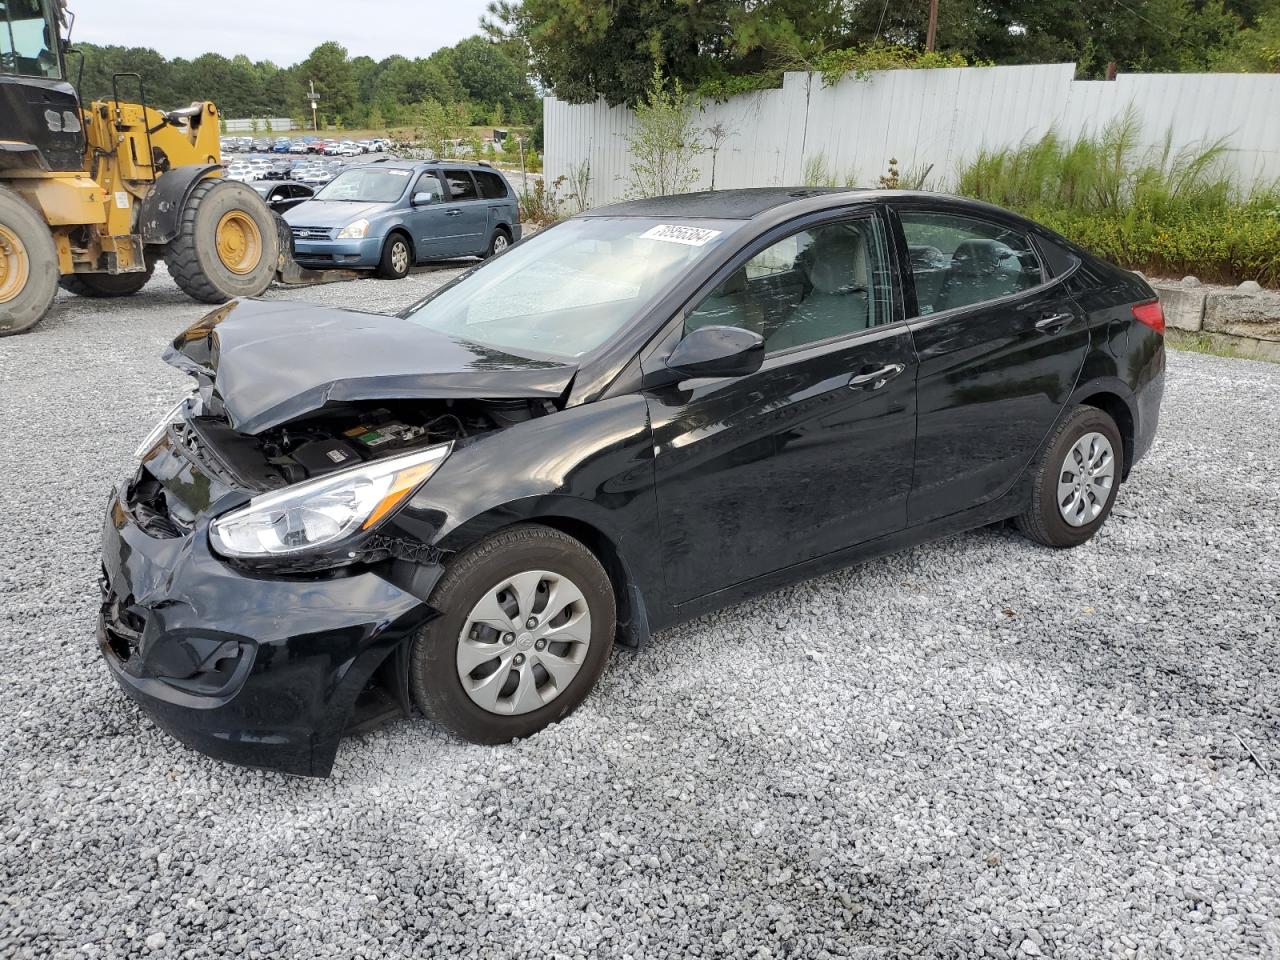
x: 312, y: 233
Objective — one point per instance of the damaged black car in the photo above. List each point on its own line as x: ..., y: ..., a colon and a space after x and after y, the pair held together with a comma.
x: 637, y: 416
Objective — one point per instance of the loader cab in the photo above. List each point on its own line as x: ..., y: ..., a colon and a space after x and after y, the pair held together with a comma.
x: 40, y: 120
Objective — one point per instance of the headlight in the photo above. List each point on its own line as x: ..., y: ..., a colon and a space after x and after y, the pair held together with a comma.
x: 354, y: 231
x: 157, y: 432
x: 324, y: 511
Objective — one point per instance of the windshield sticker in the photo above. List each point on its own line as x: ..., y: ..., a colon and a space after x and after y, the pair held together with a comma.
x: 672, y: 233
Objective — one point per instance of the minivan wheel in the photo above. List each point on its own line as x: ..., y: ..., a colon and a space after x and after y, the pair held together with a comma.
x: 1076, y: 480
x: 527, y: 623
x: 498, y: 243
x: 397, y: 258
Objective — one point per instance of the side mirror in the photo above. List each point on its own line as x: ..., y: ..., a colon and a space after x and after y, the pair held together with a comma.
x: 717, y: 352
x: 424, y: 198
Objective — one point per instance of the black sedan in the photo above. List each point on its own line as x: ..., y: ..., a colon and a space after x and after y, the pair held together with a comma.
x: 282, y: 195
x: 640, y: 415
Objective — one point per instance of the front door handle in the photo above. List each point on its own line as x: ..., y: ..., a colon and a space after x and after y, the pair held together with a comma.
x: 1054, y: 323
x: 453, y: 213
x: 876, y: 378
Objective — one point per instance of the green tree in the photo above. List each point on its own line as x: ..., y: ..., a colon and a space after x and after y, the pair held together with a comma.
x: 330, y: 70
x: 664, y: 142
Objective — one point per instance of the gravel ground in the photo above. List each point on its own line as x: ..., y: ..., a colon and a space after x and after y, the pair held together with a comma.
x: 976, y: 748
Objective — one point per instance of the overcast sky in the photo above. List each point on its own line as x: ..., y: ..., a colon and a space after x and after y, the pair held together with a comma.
x: 283, y: 31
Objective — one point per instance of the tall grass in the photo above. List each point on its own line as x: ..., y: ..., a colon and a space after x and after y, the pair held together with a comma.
x: 1161, y: 210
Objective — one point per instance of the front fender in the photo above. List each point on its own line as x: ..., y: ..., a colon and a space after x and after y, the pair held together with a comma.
x: 591, y: 465
x: 160, y: 214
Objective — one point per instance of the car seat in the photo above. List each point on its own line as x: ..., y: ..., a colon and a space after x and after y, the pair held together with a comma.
x: 980, y: 270
x: 836, y: 268
x: 729, y: 305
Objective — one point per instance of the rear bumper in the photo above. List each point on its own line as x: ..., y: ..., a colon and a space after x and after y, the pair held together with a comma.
x: 1147, y: 397
x: 250, y: 669
x: 349, y: 254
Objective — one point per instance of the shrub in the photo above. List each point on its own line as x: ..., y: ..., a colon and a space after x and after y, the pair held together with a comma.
x: 664, y: 141
x: 1160, y: 211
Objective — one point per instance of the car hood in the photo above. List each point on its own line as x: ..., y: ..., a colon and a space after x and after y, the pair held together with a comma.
x: 330, y: 213
x: 272, y: 362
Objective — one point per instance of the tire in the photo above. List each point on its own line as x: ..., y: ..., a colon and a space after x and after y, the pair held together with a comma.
x: 28, y: 265
x: 397, y: 258
x: 245, y: 264
x: 105, y: 284
x: 1060, y: 491
x: 526, y: 553
x: 498, y: 243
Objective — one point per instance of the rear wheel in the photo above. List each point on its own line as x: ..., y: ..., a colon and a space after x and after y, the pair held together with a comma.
x: 227, y: 246
x: 498, y: 243
x: 106, y: 284
x: 397, y: 257
x: 527, y: 625
x: 1076, y: 480
x: 28, y: 265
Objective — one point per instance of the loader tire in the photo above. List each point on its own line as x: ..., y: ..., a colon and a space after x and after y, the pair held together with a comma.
x: 103, y: 285
x: 227, y: 245
x: 28, y: 265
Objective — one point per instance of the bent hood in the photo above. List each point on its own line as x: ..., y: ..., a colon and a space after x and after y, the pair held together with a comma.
x: 272, y: 362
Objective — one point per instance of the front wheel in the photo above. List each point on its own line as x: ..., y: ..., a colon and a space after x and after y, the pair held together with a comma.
x: 526, y: 627
x: 226, y: 246
x: 397, y: 258
x: 1076, y: 480
x: 28, y: 265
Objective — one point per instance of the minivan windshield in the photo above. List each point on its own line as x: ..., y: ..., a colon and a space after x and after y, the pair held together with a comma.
x: 568, y: 289
x: 367, y: 185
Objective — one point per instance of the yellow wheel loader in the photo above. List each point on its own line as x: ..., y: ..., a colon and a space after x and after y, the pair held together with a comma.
x: 91, y: 197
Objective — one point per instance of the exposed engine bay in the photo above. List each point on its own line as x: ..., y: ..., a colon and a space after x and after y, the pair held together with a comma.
x: 339, y: 437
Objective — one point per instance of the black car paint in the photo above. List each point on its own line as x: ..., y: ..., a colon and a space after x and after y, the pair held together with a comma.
x: 248, y: 351
x: 648, y: 472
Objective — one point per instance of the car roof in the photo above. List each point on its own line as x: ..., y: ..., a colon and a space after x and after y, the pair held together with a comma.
x: 743, y: 204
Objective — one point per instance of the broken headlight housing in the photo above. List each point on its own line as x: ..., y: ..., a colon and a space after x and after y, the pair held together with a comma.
x: 157, y: 432
x: 321, y: 513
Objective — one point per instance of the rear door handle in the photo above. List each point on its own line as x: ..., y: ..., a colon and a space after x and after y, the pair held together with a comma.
x: 453, y: 213
x: 876, y: 378
x: 1053, y: 324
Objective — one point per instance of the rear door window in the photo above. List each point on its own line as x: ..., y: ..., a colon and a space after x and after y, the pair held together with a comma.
x: 461, y: 186
x: 492, y: 186
x: 957, y: 261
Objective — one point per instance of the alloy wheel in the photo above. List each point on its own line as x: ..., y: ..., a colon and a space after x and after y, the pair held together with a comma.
x: 500, y: 243
x: 523, y: 642
x: 1086, y: 479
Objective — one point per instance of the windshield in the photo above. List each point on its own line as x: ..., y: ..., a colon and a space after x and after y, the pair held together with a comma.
x: 565, y: 291
x: 367, y: 185
x: 28, y: 42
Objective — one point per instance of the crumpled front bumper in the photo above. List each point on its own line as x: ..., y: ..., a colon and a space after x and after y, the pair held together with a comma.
x: 355, y: 254
x: 254, y: 669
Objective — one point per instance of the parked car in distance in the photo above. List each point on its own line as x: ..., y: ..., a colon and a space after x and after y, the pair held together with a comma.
x: 282, y: 195
x: 261, y: 145
x: 298, y: 146
x: 644, y: 413
x: 281, y: 145
x: 387, y: 216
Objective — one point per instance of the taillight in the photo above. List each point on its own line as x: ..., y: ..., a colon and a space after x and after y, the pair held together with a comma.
x: 1152, y: 314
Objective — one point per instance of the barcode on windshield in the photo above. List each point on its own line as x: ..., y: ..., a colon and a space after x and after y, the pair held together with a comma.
x: 674, y: 233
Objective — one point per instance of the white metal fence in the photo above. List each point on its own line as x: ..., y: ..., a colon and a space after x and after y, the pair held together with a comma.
x: 263, y: 125
x: 923, y: 118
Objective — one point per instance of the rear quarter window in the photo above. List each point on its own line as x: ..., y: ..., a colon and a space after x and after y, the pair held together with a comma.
x: 492, y: 186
